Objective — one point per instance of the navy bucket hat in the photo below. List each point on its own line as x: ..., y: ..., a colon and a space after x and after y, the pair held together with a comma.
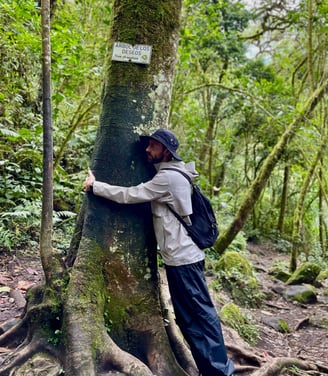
x: 166, y: 138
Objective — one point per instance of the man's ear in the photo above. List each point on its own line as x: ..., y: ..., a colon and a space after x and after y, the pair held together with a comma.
x: 167, y: 155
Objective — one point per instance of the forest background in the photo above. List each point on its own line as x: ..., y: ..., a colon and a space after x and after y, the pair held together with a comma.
x: 243, y: 75
x: 248, y: 106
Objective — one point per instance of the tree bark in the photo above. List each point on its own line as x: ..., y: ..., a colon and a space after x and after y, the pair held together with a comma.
x: 110, y: 317
x: 47, y: 193
x: 320, y: 208
x: 135, y: 100
x: 283, y: 201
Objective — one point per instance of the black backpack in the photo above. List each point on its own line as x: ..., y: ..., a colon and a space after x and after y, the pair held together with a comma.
x: 203, y: 230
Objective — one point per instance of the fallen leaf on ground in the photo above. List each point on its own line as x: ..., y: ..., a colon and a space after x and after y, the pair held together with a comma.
x: 5, y: 289
x: 32, y: 271
x: 24, y: 285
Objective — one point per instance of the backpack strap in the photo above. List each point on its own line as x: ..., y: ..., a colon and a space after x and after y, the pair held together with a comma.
x: 181, y: 172
x: 190, y: 182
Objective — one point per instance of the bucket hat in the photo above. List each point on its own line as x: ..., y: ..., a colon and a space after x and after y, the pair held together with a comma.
x: 166, y: 138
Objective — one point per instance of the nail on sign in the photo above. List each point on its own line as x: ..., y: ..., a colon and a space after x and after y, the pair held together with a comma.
x: 139, y: 53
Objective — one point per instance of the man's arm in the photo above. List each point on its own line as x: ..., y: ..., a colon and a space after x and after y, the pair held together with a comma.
x: 152, y: 190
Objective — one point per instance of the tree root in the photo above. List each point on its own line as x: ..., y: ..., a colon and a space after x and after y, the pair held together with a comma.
x: 24, y: 352
x: 251, y: 361
x: 18, y: 356
x: 110, y: 358
x: 14, y: 336
x: 28, y: 336
x: 323, y: 368
x: 115, y: 358
x: 240, y: 351
x: 244, y: 356
x: 276, y: 365
x: 180, y: 349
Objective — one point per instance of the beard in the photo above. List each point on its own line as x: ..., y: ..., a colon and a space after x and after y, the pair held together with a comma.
x: 153, y: 160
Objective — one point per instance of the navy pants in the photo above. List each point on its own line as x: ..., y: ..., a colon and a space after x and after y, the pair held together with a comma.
x: 197, y: 319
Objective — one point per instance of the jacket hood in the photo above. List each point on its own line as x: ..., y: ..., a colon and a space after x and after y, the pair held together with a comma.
x: 189, y: 168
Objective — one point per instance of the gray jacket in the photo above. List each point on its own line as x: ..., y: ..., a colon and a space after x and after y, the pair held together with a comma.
x: 167, y: 187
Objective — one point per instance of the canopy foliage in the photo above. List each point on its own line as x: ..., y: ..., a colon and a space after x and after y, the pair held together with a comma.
x: 244, y: 75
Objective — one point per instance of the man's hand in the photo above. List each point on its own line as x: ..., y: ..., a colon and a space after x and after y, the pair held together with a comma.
x: 89, y: 180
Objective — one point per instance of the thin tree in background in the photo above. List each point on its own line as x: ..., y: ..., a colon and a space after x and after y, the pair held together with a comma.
x: 283, y: 200
x: 47, y: 194
x: 50, y: 258
x: 297, y: 239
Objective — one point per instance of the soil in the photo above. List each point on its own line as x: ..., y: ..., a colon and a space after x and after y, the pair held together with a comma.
x: 308, y: 324
x: 306, y: 339
x: 18, y: 272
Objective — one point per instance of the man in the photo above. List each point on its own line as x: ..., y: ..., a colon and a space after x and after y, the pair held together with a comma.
x: 184, y: 261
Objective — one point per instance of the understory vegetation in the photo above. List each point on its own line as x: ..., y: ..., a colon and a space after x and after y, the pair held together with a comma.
x: 243, y: 75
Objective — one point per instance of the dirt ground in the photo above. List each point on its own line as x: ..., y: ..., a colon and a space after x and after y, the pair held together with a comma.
x: 306, y: 340
x: 18, y: 272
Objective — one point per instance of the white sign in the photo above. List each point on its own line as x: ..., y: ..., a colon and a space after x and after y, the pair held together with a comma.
x: 140, y: 53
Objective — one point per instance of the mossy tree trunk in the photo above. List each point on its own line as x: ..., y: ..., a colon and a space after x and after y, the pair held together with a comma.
x: 108, y: 314
x: 322, y: 230
x: 299, y: 210
x: 283, y: 200
x: 259, y: 183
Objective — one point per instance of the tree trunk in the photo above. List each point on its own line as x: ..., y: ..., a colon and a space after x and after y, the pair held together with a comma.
x: 283, y: 201
x: 298, y: 215
x: 269, y: 164
x: 206, y: 151
x: 110, y: 317
x: 320, y: 209
x: 47, y: 192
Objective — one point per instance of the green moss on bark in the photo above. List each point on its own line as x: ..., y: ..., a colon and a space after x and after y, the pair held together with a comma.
x: 150, y: 30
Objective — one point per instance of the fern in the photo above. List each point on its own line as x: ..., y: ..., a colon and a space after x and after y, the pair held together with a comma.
x: 8, y: 132
x: 17, y: 213
x: 7, y: 239
x: 62, y: 216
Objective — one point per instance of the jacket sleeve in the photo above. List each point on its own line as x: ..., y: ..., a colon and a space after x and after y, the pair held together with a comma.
x: 144, y: 192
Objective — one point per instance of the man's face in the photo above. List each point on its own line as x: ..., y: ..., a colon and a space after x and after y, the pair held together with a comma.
x: 156, y: 152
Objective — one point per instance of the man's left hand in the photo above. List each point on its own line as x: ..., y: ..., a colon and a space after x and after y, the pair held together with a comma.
x: 90, y: 179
